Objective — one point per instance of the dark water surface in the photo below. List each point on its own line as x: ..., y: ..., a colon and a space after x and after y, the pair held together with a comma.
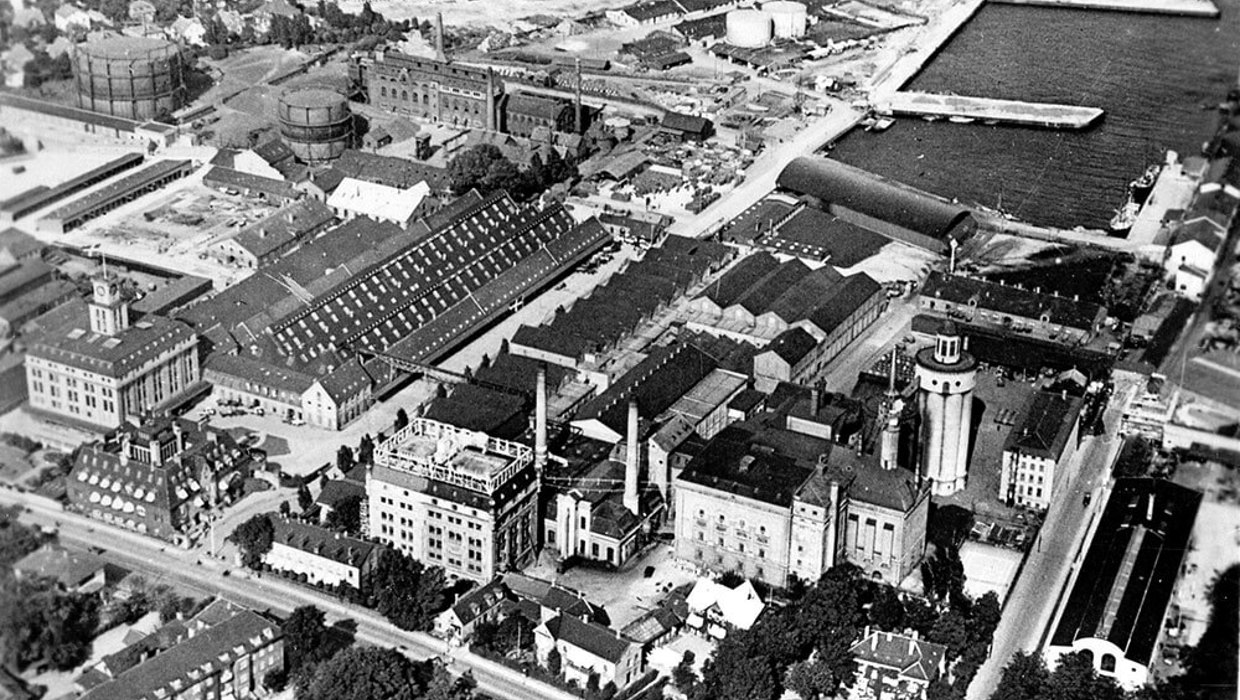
x: 1152, y: 74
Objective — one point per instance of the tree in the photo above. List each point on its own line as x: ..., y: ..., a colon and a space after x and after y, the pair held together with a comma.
x: 16, y: 539
x: 1024, y: 678
x: 683, y: 674
x: 554, y: 661
x: 887, y: 610
x: 275, y: 680
x: 346, y: 515
x: 402, y: 419
x: 304, y: 635
x: 344, y: 458
x: 39, y: 622
x: 1074, y: 678
x: 443, y: 686
x: 368, y: 673
x: 407, y: 593
x: 486, y: 169
x: 253, y: 538
x: 942, y: 574
x: 1212, y: 663
x: 753, y: 680
x: 304, y: 500
x: 952, y: 631
x: 366, y: 450
x: 812, y: 680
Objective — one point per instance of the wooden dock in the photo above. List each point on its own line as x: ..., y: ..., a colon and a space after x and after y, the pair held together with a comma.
x: 984, y: 109
x: 1184, y: 8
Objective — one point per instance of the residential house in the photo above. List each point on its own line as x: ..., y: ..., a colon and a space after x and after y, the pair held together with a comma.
x: 589, y: 649
x: 82, y: 572
x: 1190, y: 260
x: 714, y: 608
x: 892, y: 665
x: 320, y: 555
x: 483, y: 604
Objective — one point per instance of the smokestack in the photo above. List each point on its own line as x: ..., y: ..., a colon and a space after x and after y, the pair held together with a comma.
x: 891, y: 375
x: 440, y: 54
x: 579, y: 122
x: 631, y: 461
x: 540, y: 419
x: 490, y: 116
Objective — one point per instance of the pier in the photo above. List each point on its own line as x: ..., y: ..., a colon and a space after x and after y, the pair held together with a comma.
x: 933, y: 37
x: 1184, y: 8
x: 986, y: 109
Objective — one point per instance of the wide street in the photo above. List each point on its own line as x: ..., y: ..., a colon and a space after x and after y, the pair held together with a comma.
x: 1055, y: 554
x: 159, y: 561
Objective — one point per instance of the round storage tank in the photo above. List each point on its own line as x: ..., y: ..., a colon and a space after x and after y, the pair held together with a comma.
x: 748, y: 28
x: 789, y: 18
x: 316, y: 124
x: 132, y: 77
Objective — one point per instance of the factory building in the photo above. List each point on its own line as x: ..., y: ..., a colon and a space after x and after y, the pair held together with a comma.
x: 1038, y: 449
x: 946, y: 376
x: 455, y: 498
x: 1135, y: 557
x: 1044, y: 315
x: 776, y: 305
x: 890, y: 208
x: 524, y: 113
x: 89, y: 364
x: 432, y: 89
x: 302, y: 337
x: 771, y: 502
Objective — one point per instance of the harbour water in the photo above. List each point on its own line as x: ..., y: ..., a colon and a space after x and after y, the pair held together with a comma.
x: 1151, y: 74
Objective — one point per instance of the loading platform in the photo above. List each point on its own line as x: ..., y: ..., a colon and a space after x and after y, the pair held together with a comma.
x: 1185, y: 8
x: 987, y: 110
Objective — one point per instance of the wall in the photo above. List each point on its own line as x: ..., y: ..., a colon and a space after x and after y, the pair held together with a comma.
x: 754, y: 534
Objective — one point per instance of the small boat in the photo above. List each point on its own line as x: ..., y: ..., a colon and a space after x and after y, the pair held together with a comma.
x: 883, y: 124
x: 990, y: 122
x: 1124, y: 218
x: 1141, y: 188
x: 930, y: 117
x: 960, y: 120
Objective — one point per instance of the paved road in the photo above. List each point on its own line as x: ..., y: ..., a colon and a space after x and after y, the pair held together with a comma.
x: 161, y: 562
x: 761, y: 176
x: 1035, y: 596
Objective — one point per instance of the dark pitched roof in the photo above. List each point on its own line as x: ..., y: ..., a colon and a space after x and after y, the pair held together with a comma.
x: 68, y: 568
x: 400, y: 173
x: 479, y: 601
x: 214, y: 648
x: 254, y: 369
x: 818, y: 235
x: 222, y: 177
x: 19, y: 243
x: 346, y: 381
x: 851, y: 295
x: 743, y: 275
x: 869, y: 194
x: 537, y: 106
x: 1011, y: 300
x: 686, y: 123
x: 1045, y: 426
x: 656, y: 382
x: 322, y: 542
x: 591, y: 637
x: 861, y: 477
x: 915, y: 658
x: 284, y: 226
x: 66, y: 338
x: 337, y: 491
x: 1125, y: 582
x: 653, y: 9
x: 792, y: 345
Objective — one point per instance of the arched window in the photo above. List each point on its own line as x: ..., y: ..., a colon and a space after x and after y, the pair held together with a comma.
x: 404, y: 95
x: 1108, y: 663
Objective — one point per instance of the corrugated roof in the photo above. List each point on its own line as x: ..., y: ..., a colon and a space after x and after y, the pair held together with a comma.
x: 837, y: 183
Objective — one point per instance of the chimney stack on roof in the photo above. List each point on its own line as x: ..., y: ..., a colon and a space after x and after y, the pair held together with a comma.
x: 632, y: 456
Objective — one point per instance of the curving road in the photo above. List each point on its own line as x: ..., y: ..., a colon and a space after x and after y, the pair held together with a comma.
x: 159, y: 561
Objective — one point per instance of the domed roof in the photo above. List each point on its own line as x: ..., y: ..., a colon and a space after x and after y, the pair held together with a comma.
x: 949, y: 328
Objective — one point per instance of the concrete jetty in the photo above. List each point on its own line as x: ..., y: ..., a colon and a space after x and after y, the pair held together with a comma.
x: 933, y: 37
x: 986, y: 109
x: 1186, y: 8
